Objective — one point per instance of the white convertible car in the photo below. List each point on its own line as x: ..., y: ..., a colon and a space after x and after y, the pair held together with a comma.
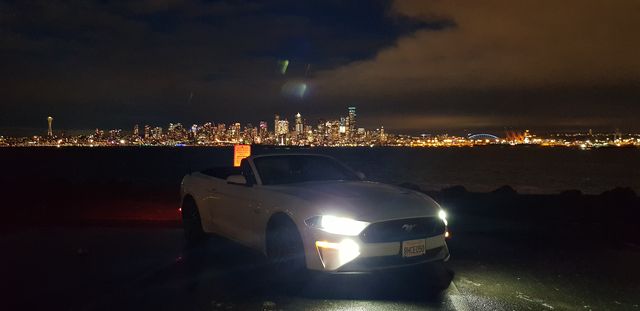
x: 311, y: 212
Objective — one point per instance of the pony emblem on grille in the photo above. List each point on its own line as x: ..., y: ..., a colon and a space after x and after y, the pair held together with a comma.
x: 408, y: 227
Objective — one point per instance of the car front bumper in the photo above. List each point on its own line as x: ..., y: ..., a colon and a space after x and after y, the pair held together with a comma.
x: 337, y: 254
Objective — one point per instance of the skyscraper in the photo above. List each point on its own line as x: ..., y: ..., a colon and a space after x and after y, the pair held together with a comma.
x: 156, y: 133
x: 275, y: 124
x: 50, y: 130
x: 282, y: 128
x: 136, y: 130
x: 263, y: 130
x: 351, y: 120
x: 236, y: 129
x: 299, y: 124
x: 343, y: 125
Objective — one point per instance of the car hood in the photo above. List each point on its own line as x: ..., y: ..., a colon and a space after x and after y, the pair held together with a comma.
x: 366, y: 201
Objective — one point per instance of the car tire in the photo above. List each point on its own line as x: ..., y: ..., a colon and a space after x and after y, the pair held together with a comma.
x: 191, y: 222
x: 285, y: 252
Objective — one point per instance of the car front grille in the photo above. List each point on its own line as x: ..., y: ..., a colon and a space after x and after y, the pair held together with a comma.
x: 402, y: 230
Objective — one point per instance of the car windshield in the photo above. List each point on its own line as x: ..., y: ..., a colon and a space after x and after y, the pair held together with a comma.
x: 277, y: 170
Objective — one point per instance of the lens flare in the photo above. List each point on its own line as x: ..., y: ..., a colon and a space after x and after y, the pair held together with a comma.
x: 284, y: 64
x: 295, y: 89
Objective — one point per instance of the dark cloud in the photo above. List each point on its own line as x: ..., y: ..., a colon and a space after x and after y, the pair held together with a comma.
x: 96, y: 63
x: 437, y: 65
x: 533, y: 63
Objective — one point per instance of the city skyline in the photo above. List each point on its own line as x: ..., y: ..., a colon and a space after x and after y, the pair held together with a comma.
x: 49, y: 127
x: 296, y: 117
x: 339, y: 131
x: 347, y: 124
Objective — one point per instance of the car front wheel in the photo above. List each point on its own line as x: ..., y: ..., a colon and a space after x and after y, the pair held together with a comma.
x: 285, y: 251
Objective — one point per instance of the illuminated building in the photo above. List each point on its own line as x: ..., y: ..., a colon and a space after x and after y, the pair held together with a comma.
x: 147, y: 131
x: 248, y: 133
x: 263, y: 126
x: 50, y: 130
x: 176, y: 132
x: 321, y: 126
x: 136, y: 131
x: 207, y: 132
x: 299, y: 124
x: 157, y: 133
x: 308, y: 133
x: 99, y: 134
x: 333, y: 131
x: 263, y: 131
x: 351, y: 122
x: 275, y: 124
x: 115, y: 134
x: 235, y: 130
x: 282, y: 128
x: 343, y: 125
x: 253, y: 135
x: 282, y: 132
x: 220, y: 132
x: 527, y: 137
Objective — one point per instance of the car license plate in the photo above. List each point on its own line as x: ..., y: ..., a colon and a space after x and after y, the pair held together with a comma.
x: 413, y: 248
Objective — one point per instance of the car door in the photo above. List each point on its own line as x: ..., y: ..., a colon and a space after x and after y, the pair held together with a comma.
x: 238, y: 208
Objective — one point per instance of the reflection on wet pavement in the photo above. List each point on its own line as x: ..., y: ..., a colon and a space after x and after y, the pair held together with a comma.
x: 151, y: 268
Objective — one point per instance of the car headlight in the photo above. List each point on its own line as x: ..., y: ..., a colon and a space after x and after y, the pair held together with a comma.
x: 443, y: 215
x: 337, y: 225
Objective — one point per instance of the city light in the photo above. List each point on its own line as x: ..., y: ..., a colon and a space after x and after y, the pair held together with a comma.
x: 342, y: 131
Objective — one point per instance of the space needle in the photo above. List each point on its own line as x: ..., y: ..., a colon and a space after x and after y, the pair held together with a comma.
x: 50, y: 130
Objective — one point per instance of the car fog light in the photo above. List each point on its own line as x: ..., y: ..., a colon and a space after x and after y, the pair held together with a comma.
x: 334, y: 255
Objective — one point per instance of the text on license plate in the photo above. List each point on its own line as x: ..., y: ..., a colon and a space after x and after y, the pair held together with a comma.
x: 413, y: 248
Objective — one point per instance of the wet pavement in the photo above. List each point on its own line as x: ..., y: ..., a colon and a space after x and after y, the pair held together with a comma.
x: 150, y: 268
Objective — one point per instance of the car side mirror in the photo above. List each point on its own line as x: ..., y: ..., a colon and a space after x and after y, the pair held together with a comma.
x: 237, y: 180
x: 361, y: 175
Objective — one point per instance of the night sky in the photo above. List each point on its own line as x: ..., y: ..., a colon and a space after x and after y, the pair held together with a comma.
x: 412, y: 66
